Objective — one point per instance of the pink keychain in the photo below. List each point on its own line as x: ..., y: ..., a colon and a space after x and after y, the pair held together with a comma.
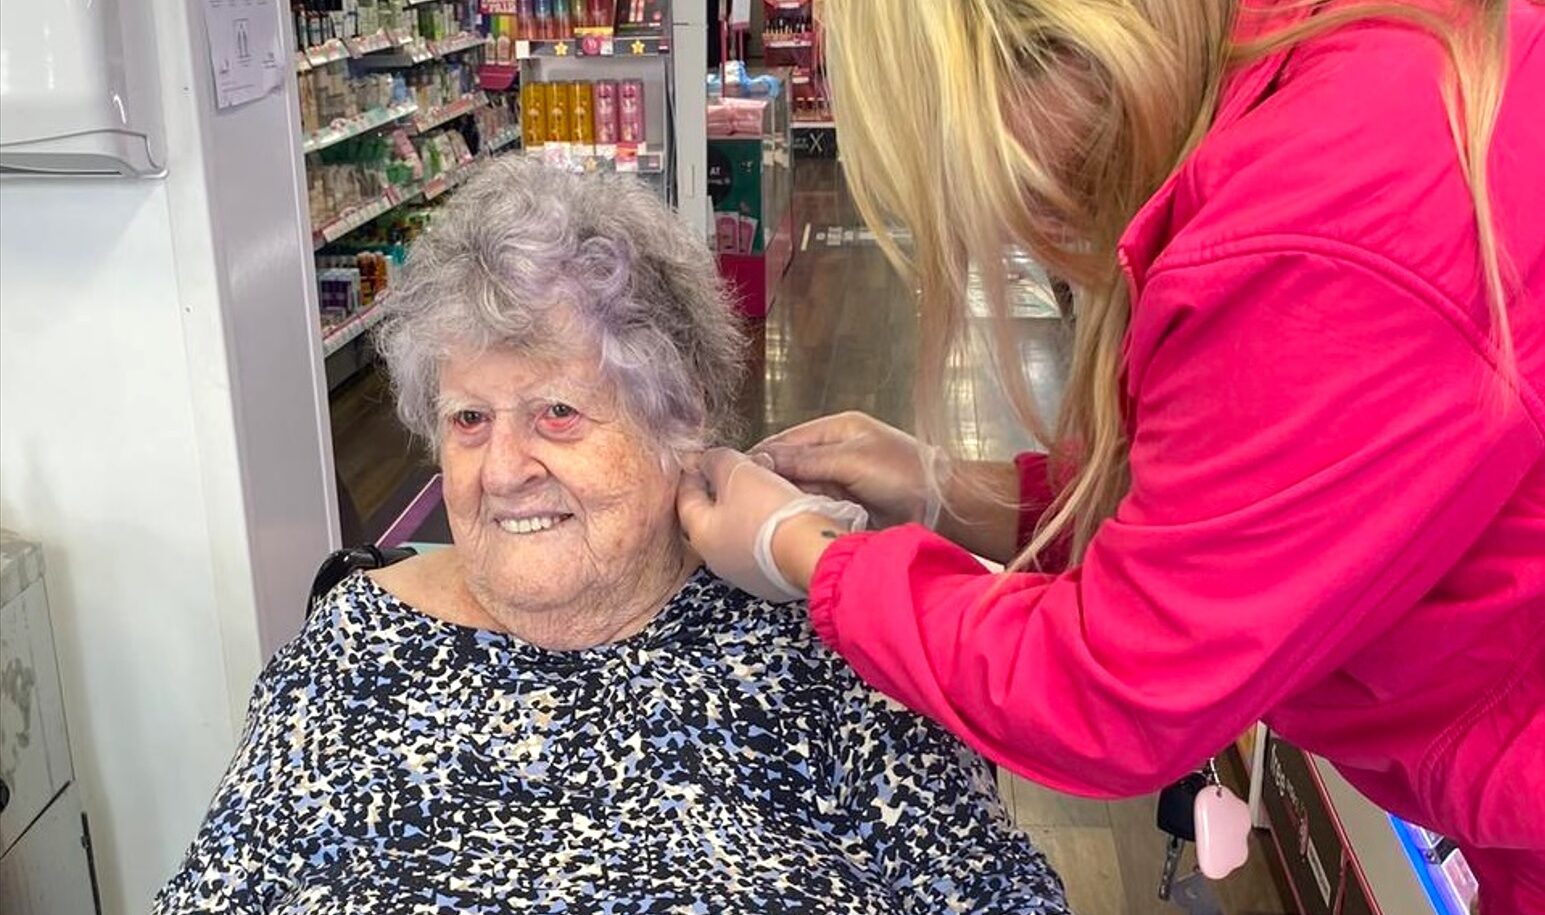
x: 1222, y: 829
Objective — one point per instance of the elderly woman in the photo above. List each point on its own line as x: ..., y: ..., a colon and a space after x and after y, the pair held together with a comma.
x: 563, y: 711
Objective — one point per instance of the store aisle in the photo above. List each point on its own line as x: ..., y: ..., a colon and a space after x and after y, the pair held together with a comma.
x: 842, y: 335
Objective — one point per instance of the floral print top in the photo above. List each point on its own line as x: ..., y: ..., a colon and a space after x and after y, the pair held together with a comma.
x: 721, y: 761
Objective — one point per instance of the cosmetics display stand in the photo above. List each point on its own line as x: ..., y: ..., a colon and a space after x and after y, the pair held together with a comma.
x: 751, y: 182
x: 791, y: 37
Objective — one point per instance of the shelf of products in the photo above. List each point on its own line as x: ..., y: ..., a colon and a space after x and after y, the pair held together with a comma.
x: 327, y: 31
x: 350, y: 127
x: 380, y: 40
x: 321, y: 55
x: 536, y: 20
x: 403, y: 99
x: 625, y: 158
x: 360, y: 214
x: 337, y: 336
x: 420, y: 51
x: 434, y: 117
x: 604, y: 112
x: 791, y: 38
x: 378, y: 176
x: 587, y: 125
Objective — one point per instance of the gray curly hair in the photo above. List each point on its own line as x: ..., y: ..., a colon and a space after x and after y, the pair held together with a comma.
x: 522, y: 251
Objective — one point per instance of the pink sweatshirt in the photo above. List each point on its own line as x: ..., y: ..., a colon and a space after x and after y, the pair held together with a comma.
x: 1337, y: 514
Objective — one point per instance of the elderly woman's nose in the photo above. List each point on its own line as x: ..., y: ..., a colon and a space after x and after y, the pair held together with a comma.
x: 510, y: 461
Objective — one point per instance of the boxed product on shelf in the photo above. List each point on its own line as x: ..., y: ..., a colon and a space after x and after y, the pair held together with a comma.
x: 581, y: 119
x: 558, y: 123
x: 351, y: 282
x: 640, y: 17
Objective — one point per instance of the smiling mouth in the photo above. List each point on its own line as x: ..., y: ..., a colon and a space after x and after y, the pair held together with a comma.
x: 534, y: 524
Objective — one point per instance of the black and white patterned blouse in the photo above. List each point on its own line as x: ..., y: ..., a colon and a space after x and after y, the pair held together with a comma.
x: 720, y: 761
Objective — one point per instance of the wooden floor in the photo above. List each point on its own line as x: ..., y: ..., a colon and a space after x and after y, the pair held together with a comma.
x: 843, y: 335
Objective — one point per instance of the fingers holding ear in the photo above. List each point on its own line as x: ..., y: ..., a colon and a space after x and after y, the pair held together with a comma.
x: 693, y: 503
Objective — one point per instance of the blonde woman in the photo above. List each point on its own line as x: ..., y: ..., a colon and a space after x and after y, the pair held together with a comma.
x: 1299, y: 473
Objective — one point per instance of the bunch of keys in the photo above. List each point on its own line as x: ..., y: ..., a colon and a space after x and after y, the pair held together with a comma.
x: 1199, y: 809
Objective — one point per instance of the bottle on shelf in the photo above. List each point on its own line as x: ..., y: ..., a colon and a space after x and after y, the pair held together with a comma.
x: 605, y: 115
x: 499, y: 31
x: 581, y: 104
x: 533, y: 109
x: 542, y: 20
x: 558, y: 124
x: 526, y: 20
x: 630, y: 107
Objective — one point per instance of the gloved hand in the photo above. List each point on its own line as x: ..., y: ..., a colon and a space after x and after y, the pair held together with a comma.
x: 730, y: 506
x: 855, y: 456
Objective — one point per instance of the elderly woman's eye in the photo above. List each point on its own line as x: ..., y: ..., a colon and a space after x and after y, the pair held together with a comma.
x: 467, y: 420
x: 559, y: 418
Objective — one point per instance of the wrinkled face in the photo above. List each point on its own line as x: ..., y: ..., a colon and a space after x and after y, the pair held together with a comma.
x: 556, y: 500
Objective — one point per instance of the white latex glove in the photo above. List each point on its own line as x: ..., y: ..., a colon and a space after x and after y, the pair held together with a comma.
x: 855, y: 456
x: 731, y: 506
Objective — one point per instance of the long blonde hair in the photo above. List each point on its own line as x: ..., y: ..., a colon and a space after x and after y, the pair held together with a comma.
x: 982, y: 125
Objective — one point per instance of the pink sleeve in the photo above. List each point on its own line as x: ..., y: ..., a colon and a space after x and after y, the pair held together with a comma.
x: 1311, y: 454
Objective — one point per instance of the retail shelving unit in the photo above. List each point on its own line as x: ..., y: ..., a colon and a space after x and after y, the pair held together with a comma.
x: 610, y: 86
x: 791, y: 37
x: 394, y: 119
x: 402, y: 99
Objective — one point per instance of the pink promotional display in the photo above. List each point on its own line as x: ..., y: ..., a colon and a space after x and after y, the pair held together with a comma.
x: 1361, y: 551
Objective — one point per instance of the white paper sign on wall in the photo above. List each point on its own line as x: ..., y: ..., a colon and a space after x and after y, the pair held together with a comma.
x: 245, y: 49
